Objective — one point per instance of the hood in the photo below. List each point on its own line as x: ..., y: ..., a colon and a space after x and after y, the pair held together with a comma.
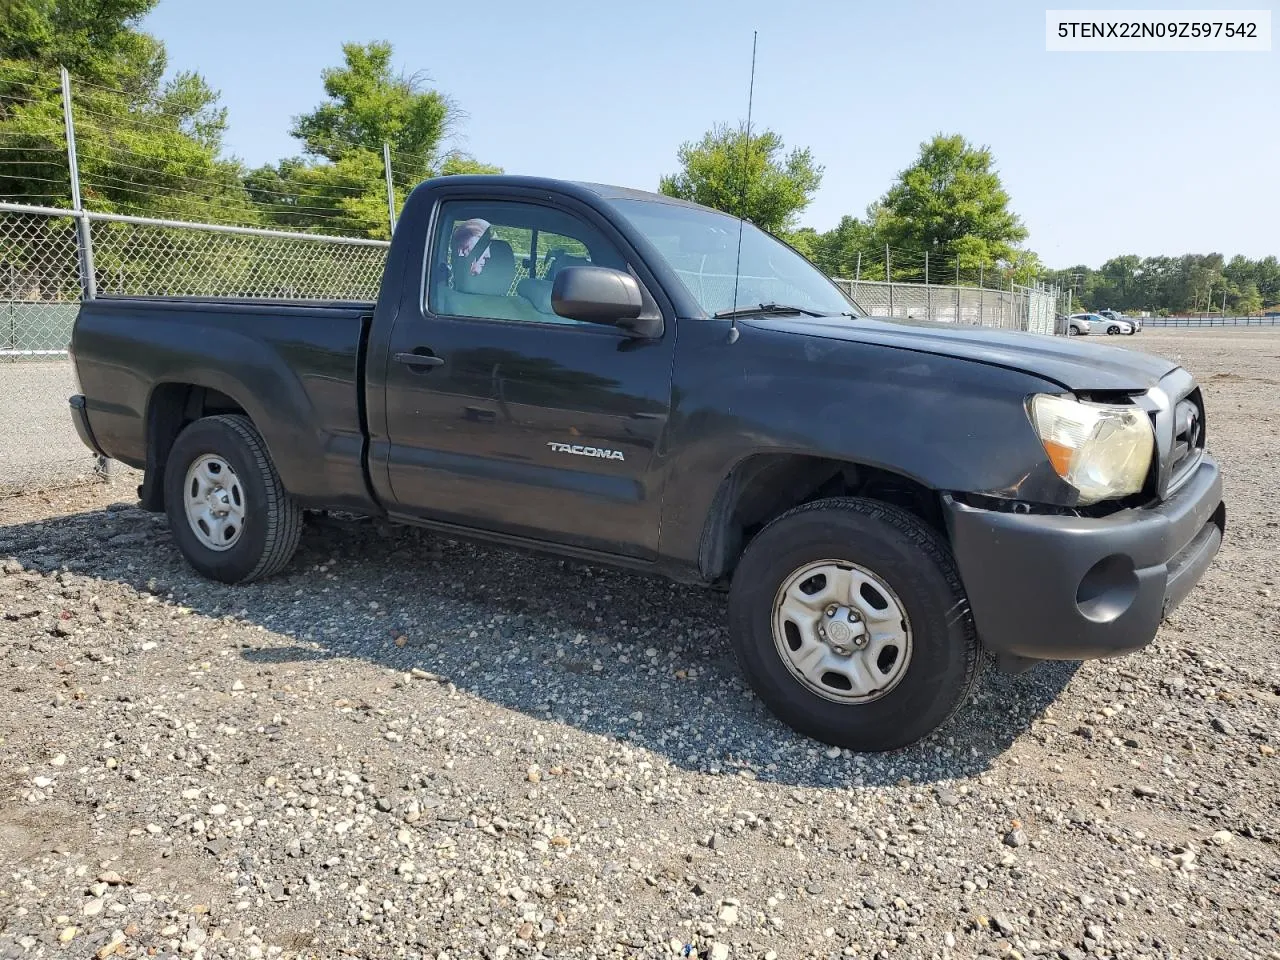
x: 1071, y: 364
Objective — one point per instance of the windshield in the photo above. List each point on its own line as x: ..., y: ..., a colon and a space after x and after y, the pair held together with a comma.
x: 702, y: 247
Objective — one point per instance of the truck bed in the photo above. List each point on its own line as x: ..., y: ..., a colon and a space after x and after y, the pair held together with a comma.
x: 295, y: 367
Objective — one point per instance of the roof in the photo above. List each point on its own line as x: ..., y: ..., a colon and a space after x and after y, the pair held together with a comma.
x: 602, y: 190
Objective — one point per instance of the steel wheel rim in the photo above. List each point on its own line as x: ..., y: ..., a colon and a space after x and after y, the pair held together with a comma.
x: 841, y: 631
x: 214, y: 502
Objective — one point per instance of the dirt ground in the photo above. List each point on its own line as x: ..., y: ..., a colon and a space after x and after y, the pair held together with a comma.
x: 405, y: 746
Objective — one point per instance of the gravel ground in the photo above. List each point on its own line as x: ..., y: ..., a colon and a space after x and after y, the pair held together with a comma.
x: 38, y: 443
x: 407, y: 746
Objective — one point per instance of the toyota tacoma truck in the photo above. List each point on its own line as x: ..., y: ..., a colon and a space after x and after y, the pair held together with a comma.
x: 628, y: 379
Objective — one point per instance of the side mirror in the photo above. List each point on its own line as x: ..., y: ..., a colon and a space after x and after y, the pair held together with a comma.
x: 596, y: 295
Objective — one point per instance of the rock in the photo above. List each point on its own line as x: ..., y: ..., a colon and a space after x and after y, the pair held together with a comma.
x: 42, y: 782
x: 1185, y: 860
x: 1223, y: 727
x: 813, y: 889
x: 58, y: 761
x: 113, y: 878
x: 948, y: 799
x: 728, y: 914
x: 872, y: 901
x: 217, y: 810
x: 1015, y: 838
x: 1002, y: 925
x: 833, y: 753
x: 93, y: 907
x: 67, y: 935
x: 719, y: 951
x: 1145, y: 791
x: 1223, y: 837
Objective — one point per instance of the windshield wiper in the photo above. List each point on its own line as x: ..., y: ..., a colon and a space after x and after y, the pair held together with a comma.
x: 765, y: 309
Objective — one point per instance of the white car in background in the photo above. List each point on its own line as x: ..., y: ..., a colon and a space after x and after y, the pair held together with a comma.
x: 1086, y: 323
x: 1135, y: 322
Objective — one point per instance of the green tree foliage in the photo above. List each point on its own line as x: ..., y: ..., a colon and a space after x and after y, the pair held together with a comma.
x: 146, y: 145
x: 951, y: 203
x: 340, y: 183
x: 1190, y: 283
x: 752, y: 178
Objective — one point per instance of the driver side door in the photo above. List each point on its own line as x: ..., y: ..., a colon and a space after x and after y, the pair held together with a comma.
x: 525, y: 423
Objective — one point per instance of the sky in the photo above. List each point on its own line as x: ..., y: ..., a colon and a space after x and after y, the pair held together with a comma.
x: 1101, y: 153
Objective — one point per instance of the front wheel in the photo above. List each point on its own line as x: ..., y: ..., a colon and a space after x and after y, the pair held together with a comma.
x: 849, y: 621
x: 1112, y: 331
x: 228, y: 511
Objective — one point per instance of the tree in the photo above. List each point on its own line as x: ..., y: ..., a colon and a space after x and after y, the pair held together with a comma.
x: 951, y: 203
x: 146, y: 146
x: 748, y: 178
x: 339, y: 183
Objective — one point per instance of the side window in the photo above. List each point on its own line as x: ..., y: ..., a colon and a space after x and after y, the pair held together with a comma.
x: 498, y: 260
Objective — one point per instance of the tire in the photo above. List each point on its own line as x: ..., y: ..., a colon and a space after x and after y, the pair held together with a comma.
x: 914, y: 569
x: 1072, y: 332
x: 258, y: 532
x: 1112, y: 330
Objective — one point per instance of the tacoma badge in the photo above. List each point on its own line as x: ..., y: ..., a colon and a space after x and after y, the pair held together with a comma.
x: 580, y: 451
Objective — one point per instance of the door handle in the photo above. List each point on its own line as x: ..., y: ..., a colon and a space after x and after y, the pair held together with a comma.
x: 418, y: 359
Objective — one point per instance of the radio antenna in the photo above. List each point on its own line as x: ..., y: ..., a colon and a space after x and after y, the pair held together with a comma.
x: 742, y: 197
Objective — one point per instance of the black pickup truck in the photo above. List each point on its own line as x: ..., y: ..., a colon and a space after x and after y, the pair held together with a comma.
x: 600, y: 373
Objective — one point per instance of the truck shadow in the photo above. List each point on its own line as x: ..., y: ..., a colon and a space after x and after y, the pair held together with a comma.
x: 631, y: 658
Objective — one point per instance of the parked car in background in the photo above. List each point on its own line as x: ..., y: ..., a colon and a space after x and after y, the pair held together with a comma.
x: 1135, y: 322
x: 1084, y: 323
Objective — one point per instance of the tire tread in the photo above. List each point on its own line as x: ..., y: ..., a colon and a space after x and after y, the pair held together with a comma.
x: 931, y: 543
x: 282, y: 514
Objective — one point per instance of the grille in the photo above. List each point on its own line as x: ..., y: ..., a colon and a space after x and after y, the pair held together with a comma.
x: 1176, y: 408
x: 1188, y: 435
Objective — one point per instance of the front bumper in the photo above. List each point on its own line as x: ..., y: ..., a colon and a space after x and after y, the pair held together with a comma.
x: 1079, y: 588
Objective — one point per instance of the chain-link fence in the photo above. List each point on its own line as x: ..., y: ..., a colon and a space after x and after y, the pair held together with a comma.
x: 1016, y: 308
x: 41, y: 269
x: 135, y: 257
x: 39, y: 284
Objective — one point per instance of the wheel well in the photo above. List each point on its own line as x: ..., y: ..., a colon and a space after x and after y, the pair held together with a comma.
x: 765, y: 486
x: 172, y: 407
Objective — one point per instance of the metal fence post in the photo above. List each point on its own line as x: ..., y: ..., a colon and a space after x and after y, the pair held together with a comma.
x: 928, y: 290
x: 857, y: 276
x: 888, y: 278
x: 391, y: 187
x: 88, y: 280
x: 981, y: 299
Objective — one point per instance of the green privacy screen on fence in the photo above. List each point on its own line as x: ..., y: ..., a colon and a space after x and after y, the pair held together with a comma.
x: 36, y: 328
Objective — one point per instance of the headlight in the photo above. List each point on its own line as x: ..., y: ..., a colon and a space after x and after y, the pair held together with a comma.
x: 1102, y: 450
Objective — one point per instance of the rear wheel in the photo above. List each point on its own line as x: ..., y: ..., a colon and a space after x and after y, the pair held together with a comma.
x: 1072, y: 332
x: 849, y: 621
x: 229, y: 513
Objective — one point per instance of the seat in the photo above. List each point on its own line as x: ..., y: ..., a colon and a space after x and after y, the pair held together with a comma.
x: 486, y: 293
